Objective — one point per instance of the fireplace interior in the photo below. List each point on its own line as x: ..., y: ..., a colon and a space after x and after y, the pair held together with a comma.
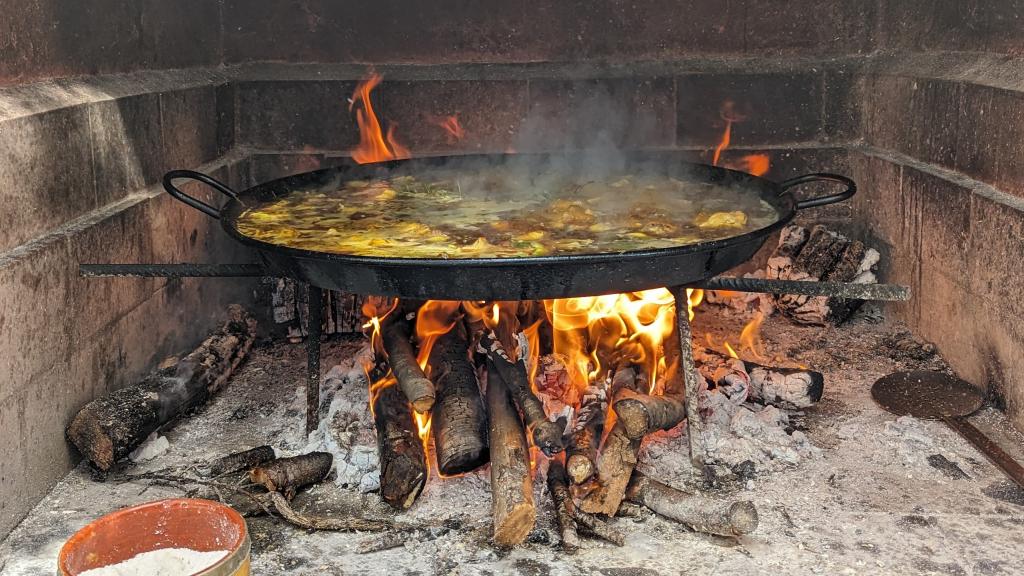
x: 705, y: 425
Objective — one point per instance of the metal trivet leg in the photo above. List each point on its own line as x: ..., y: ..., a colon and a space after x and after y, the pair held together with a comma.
x: 691, y: 379
x: 315, y: 327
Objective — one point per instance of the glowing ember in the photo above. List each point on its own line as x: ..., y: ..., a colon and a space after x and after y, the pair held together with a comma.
x: 374, y: 145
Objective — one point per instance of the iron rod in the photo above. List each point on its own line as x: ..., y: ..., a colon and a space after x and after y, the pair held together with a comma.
x: 171, y: 270
x: 887, y: 292
x: 314, y: 329
x: 691, y: 379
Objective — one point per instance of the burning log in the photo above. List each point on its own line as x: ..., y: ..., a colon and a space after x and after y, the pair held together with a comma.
x: 586, y: 435
x: 703, y: 514
x: 642, y: 414
x: 414, y: 383
x: 788, y: 388
x: 287, y: 475
x: 565, y: 509
x: 511, y: 484
x: 618, y: 456
x: 109, y: 428
x: 459, y: 421
x: 547, y: 435
x: 245, y: 460
x: 403, y: 463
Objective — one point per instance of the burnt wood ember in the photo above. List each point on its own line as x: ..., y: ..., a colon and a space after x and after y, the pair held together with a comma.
x: 286, y: 475
x: 565, y: 509
x: 403, y: 464
x: 618, y: 456
x: 511, y: 484
x: 414, y: 383
x: 594, y: 527
x: 244, y: 460
x: 459, y: 421
x: 109, y: 428
x: 789, y: 388
x: 586, y: 435
x: 703, y: 514
x: 547, y: 435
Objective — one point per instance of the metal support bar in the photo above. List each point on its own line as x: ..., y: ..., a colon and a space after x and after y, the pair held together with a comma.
x: 315, y: 327
x: 889, y: 292
x: 171, y: 270
x: 691, y: 379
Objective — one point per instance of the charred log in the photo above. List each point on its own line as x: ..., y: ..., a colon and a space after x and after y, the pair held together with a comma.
x: 109, y: 428
x: 511, y: 484
x: 547, y: 435
x: 315, y: 522
x: 245, y: 460
x: 287, y: 475
x: 594, y: 527
x: 418, y: 389
x: 618, y: 457
x: 403, y: 464
x: 788, y: 388
x: 703, y: 514
x: 581, y: 453
x: 565, y: 509
x: 459, y: 422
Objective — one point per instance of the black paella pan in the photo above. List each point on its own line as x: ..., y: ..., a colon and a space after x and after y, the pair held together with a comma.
x: 511, y: 278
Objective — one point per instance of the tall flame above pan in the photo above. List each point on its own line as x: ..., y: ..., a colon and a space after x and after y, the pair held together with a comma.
x: 374, y: 144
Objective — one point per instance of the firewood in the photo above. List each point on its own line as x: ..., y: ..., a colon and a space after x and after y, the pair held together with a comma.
x: 245, y: 460
x: 547, y: 435
x: 703, y: 514
x: 414, y: 383
x: 788, y: 388
x: 565, y: 509
x: 642, y: 414
x: 315, y: 522
x: 511, y: 484
x: 459, y: 421
x: 403, y: 463
x: 286, y: 475
x: 618, y: 457
x: 593, y: 526
x: 586, y: 434
x: 109, y: 428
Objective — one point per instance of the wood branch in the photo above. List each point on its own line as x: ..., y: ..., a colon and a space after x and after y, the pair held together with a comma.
x: 109, y: 428
x: 315, y: 522
x: 403, y: 463
x: 703, y: 514
x: 547, y: 435
x: 287, y: 475
x: 511, y: 484
x: 459, y: 421
x: 244, y: 460
x: 642, y: 414
x: 418, y: 389
x: 565, y: 509
x: 618, y: 457
x: 581, y: 453
x: 595, y: 527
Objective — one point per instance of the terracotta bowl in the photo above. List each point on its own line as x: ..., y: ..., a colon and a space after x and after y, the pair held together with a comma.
x: 201, y: 525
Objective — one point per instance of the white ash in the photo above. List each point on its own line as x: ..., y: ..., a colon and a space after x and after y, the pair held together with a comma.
x: 153, y: 446
x: 347, y: 431
x: 162, y: 562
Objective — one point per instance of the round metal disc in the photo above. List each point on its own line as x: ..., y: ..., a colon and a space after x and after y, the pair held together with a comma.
x: 926, y: 394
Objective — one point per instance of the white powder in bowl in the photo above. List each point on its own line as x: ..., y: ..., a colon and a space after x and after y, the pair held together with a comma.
x: 163, y: 562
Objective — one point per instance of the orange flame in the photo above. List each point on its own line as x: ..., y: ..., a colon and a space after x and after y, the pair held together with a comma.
x: 454, y: 132
x: 374, y: 146
x: 756, y: 164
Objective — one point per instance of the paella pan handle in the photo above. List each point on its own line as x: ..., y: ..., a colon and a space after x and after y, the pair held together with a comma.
x: 851, y: 189
x: 197, y: 204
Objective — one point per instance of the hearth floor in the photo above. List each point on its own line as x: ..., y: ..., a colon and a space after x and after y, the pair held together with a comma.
x: 868, y: 503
